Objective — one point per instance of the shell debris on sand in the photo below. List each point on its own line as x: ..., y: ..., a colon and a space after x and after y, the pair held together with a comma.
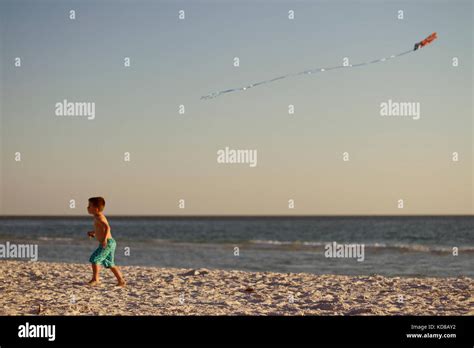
x: 39, y: 288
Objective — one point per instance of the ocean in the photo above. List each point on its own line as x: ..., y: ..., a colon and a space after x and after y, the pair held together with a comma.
x: 393, y: 246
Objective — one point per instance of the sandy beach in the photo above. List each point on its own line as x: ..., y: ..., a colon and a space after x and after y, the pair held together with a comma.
x: 39, y: 288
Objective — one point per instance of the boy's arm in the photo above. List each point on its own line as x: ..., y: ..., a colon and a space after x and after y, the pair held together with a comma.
x: 105, y: 226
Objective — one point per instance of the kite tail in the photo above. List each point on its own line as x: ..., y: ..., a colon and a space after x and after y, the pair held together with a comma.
x: 422, y: 43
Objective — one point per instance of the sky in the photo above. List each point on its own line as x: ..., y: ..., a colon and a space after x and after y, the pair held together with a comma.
x: 175, y: 62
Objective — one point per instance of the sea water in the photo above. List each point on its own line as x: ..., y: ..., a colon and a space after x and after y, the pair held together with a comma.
x: 409, y: 246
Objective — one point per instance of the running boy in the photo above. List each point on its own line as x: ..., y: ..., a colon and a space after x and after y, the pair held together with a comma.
x: 104, y: 254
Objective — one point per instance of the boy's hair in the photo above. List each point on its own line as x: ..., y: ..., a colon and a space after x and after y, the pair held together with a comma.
x: 97, y: 202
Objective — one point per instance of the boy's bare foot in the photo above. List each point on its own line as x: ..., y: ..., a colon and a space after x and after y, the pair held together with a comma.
x: 94, y: 282
x: 122, y: 283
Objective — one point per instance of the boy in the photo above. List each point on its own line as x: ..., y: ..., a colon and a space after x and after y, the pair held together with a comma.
x: 104, y: 254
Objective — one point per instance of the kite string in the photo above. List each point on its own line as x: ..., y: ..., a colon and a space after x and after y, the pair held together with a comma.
x: 305, y: 72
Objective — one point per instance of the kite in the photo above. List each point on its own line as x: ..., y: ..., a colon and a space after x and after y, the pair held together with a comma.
x: 418, y: 45
x: 426, y: 41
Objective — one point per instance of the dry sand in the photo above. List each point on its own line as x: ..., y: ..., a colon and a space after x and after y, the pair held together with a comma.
x: 32, y: 288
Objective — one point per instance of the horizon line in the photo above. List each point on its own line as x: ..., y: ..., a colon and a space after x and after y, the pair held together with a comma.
x: 239, y: 215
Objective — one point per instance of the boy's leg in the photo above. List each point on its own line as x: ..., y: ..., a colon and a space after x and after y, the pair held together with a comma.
x: 115, y: 270
x: 95, y: 274
x: 97, y: 258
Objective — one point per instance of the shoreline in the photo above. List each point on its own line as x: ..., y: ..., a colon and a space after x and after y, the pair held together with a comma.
x: 50, y: 288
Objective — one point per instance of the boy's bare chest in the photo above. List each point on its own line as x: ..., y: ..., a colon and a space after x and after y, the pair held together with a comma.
x: 98, y: 227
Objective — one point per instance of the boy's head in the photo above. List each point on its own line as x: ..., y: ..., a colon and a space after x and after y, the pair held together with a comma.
x: 96, y: 205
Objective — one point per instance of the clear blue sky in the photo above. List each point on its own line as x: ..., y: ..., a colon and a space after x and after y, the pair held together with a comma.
x: 176, y: 62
